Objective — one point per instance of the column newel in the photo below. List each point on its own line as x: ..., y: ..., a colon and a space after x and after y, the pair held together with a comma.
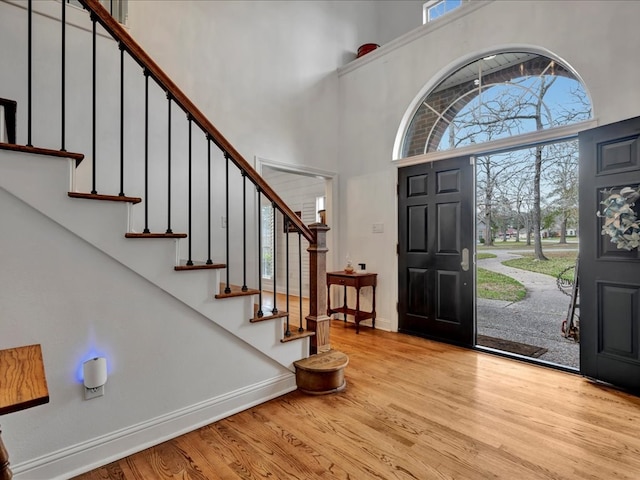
x: 318, y: 321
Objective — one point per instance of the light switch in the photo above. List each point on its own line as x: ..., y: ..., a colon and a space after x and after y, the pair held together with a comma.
x: 378, y: 227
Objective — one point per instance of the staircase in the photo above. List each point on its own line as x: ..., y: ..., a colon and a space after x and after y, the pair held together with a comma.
x: 126, y: 235
x: 133, y: 168
x: 102, y: 224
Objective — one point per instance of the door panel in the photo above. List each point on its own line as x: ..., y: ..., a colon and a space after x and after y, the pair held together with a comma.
x: 418, y: 216
x: 435, y: 221
x: 609, y: 277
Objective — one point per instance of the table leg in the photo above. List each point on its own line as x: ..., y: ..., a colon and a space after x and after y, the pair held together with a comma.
x: 357, y: 310
x: 5, y: 471
x: 373, y: 308
x: 345, y: 304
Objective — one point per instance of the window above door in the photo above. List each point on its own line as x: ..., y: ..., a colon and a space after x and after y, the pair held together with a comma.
x: 495, y: 97
x: 434, y: 9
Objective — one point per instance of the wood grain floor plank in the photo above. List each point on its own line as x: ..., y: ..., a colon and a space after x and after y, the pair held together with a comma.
x: 413, y: 409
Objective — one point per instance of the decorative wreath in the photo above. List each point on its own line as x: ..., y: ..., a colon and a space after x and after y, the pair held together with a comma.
x: 621, y: 222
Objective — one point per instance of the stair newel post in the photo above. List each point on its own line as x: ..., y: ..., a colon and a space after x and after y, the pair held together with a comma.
x: 169, y: 163
x: 275, y: 260
x: 209, y: 261
x: 63, y: 89
x: 94, y: 20
x: 190, y: 122
x: 227, y: 289
x: 244, y: 231
x: 300, y: 329
x: 287, y: 333
x: 318, y: 321
x: 260, y: 313
x: 29, y: 69
x: 146, y: 151
x: 121, y: 47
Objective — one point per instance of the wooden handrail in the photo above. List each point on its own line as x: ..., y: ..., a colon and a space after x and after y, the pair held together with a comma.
x: 127, y: 42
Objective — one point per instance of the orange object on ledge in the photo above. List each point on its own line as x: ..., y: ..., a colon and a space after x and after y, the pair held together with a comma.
x: 366, y: 48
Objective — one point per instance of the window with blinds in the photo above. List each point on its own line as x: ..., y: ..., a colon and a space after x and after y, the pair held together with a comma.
x: 267, y: 242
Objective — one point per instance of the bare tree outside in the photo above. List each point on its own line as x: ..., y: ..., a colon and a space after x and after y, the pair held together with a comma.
x: 496, y: 174
x: 511, y: 181
x: 562, y: 178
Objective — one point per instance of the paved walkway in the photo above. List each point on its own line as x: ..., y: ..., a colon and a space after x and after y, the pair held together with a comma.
x: 535, y: 320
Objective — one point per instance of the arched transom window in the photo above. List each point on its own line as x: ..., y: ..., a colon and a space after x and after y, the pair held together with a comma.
x: 495, y: 97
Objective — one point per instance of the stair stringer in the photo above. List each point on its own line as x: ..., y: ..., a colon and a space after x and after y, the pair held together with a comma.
x: 42, y: 182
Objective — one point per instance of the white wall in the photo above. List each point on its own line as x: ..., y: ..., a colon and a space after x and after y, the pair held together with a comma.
x: 395, y: 18
x: 264, y: 75
x: 597, y: 38
x: 265, y: 72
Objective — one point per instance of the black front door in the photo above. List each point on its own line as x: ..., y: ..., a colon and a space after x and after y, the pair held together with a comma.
x: 435, y: 252
x: 609, y: 277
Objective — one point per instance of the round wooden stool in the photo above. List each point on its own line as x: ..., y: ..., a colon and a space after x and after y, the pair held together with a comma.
x: 322, y: 373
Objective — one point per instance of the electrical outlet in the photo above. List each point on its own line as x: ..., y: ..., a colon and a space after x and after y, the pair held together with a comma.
x: 90, y: 393
x: 223, y: 222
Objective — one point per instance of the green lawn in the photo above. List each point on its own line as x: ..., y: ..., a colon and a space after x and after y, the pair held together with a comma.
x: 496, y: 286
x: 558, y: 261
x: 513, y: 245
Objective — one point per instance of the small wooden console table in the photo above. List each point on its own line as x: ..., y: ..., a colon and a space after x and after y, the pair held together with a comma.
x: 357, y: 281
x: 22, y: 385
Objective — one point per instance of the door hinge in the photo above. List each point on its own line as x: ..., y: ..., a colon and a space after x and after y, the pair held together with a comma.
x: 397, y: 306
x: 397, y: 249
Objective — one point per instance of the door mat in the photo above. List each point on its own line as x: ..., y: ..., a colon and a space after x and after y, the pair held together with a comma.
x: 511, y: 347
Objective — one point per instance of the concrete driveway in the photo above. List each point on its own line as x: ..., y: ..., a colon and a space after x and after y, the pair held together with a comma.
x: 535, y: 320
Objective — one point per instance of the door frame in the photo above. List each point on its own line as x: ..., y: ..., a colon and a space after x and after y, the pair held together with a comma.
x: 331, y: 189
x: 569, y: 132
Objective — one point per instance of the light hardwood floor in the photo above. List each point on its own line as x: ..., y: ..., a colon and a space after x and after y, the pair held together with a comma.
x: 414, y: 409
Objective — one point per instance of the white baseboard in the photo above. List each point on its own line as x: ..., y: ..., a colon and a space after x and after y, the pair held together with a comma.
x: 86, y: 456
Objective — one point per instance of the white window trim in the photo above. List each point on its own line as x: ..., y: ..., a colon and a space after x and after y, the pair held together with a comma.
x: 551, y: 133
x: 431, y: 3
x: 533, y: 138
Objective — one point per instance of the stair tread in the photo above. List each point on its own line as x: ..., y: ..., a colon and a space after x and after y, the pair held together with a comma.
x: 199, y: 265
x: 296, y: 335
x: 268, y: 316
x: 236, y: 291
x: 155, y: 235
x: 109, y: 198
x: 330, y: 361
x: 78, y: 157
